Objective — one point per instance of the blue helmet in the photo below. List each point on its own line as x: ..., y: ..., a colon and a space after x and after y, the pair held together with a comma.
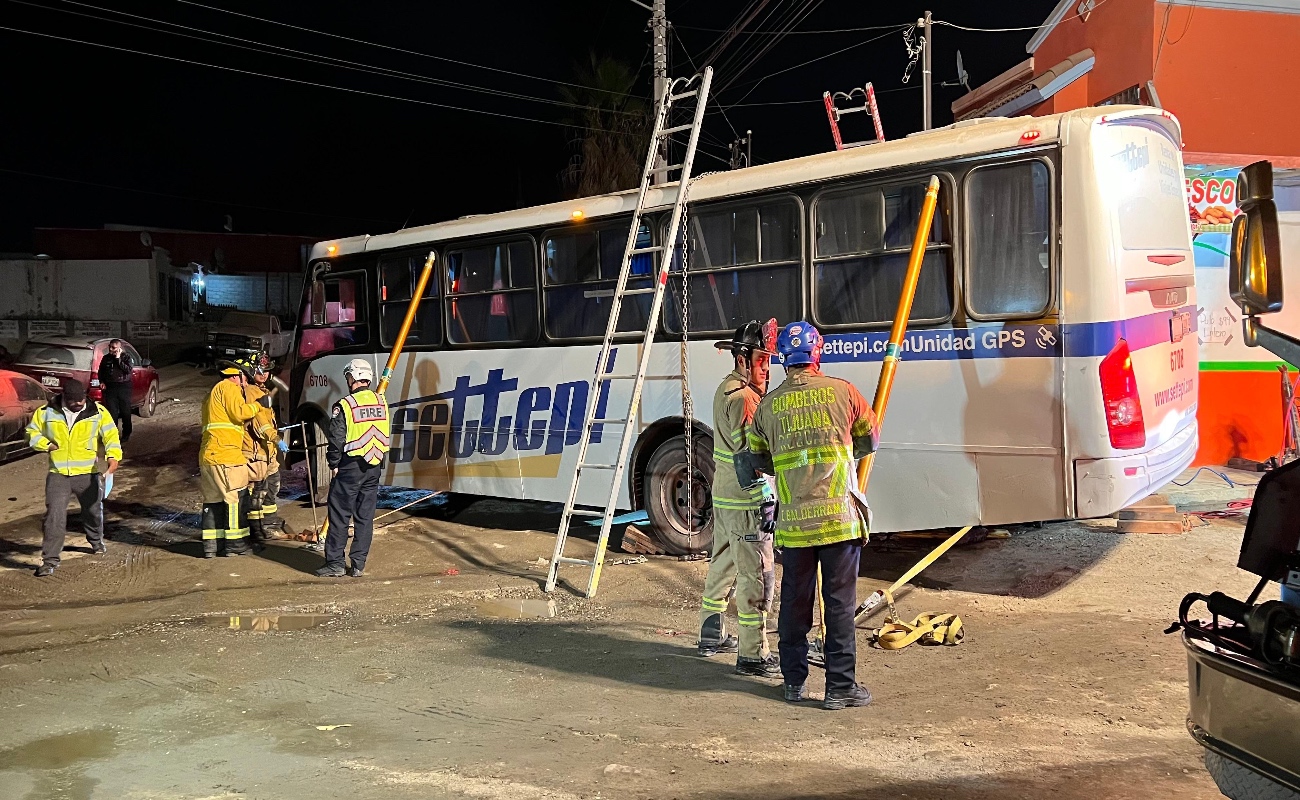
x: 799, y: 343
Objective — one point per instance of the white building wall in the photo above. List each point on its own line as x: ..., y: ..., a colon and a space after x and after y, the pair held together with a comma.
x: 99, y: 290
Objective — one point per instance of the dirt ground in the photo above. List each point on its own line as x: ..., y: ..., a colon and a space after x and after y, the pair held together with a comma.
x: 125, y: 676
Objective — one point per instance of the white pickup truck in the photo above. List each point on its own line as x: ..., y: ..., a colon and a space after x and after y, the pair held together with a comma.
x: 243, y: 333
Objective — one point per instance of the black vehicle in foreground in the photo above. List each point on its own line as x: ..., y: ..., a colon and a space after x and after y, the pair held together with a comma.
x: 1243, y: 664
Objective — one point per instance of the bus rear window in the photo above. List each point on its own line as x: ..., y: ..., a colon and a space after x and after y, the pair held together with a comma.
x: 1142, y: 184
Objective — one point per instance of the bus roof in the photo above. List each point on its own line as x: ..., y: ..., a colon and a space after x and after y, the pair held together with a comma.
x: 969, y: 137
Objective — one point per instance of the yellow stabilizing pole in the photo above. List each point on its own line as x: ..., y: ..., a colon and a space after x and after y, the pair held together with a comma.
x: 894, y: 348
x: 406, y: 323
x: 886, y: 383
x: 892, y: 351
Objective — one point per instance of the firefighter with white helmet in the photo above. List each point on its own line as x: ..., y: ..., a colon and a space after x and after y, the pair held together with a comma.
x: 357, y: 443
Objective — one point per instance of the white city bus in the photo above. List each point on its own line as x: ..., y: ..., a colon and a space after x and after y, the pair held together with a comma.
x: 1049, y: 367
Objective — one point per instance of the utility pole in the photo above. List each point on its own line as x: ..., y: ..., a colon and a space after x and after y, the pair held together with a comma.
x: 659, y: 31
x: 927, y: 93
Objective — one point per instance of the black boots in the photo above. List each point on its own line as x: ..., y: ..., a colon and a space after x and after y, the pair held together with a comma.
x: 769, y: 667
x: 855, y: 697
x: 709, y: 649
x: 209, y: 548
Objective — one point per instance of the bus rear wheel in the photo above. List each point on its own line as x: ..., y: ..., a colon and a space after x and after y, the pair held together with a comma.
x: 668, y: 502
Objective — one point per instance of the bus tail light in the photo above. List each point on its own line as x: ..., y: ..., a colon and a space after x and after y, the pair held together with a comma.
x: 1119, y: 394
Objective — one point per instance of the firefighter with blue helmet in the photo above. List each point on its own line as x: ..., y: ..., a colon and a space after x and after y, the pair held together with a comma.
x: 809, y: 433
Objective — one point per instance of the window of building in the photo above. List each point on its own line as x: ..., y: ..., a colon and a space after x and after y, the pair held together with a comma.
x: 398, y: 276
x: 582, y: 267
x: 335, y: 317
x: 1008, y: 232
x: 491, y: 294
x: 863, y: 237
x: 744, y: 263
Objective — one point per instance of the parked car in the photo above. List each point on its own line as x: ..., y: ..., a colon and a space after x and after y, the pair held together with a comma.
x: 20, y: 396
x: 242, y: 333
x: 53, y: 359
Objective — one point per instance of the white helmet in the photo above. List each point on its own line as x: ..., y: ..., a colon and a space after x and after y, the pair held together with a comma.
x: 358, y: 369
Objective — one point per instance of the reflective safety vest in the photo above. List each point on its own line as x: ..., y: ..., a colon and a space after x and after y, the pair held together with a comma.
x: 366, y: 414
x: 808, y: 424
x: 79, y: 447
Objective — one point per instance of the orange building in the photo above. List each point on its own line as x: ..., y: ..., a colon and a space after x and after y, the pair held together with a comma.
x: 1230, y: 71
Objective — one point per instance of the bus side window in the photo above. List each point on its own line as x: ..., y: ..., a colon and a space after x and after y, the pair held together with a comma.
x: 343, y: 323
x: 864, y: 238
x: 582, y: 267
x: 398, y: 276
x: 491, y: 294
x: 1008, y: 256
x: 744, y: 263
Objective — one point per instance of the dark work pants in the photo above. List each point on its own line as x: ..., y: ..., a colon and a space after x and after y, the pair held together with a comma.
x: 59, y: 491
x: 117, y: 399
x: 839, y: 564
x: 353, y: 493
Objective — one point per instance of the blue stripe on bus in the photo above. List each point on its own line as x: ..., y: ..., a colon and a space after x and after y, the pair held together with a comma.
x: 1076, y: 340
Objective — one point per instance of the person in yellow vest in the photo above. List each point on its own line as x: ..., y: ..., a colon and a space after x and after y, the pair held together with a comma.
x: 741, y: 555
x: 809, y: 432
x: 263, y: 446
x: 357, y: 443
x: 223, y: 469
x: 73, y: 430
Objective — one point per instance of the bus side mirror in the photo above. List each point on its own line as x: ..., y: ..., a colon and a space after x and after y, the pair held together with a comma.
x: 318, y: 302
x: 1255, y: 274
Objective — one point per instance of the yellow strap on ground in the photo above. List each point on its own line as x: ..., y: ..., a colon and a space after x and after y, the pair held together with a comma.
x: 932, y: 629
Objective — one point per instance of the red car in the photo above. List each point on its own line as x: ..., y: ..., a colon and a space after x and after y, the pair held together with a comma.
x: 20, y: 396
x: 53, y: 359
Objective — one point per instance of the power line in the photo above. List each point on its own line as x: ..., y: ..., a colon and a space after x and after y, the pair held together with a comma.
x: 303, y: 82
x: 758, y: 48
x: 796, y: 33
x: 818, y: 100
x: 1096, y: 6
x: 754, y: 84
x: 191, y: 199
x: 302, y: 55
x: 395, y: 48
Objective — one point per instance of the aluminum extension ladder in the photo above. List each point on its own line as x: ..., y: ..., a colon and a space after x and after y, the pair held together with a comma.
x: 696, y: 87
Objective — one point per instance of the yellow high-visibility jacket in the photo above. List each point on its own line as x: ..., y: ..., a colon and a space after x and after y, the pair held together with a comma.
x: 79, y: 447
x: 260, y: 435
x: 224, y: 414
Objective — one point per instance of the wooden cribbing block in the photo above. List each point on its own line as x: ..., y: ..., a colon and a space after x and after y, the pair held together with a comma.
x: 635, y: 541
x: 1155, y: 513
x: 1149, y: 526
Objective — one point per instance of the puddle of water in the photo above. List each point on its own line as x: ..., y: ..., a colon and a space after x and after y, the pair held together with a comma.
x: 270, y: 622
x: 60, y: 752
x: 516, y: 609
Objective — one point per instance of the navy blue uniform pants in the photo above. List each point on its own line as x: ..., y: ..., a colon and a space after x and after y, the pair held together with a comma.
x: 839, y: 563
x: 353, y: 493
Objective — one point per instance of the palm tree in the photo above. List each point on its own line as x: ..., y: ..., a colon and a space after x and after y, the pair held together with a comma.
x: 611, y: 127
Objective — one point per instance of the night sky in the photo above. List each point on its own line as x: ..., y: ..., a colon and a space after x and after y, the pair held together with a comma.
x: 162, y: 143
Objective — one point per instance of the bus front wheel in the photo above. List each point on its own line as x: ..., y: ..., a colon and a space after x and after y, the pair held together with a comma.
x: 681, y: 513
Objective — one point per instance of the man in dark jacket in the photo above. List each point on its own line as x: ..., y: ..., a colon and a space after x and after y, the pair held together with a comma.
x: 115, y: 380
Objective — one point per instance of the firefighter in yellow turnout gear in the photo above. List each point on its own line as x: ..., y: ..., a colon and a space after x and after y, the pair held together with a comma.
x: 809, y: 432
x: 263, y: 446
x: 223, y: 469
x: 742, y: 544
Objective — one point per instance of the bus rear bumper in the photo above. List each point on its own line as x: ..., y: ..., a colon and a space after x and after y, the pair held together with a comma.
x: 1105, y: 485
